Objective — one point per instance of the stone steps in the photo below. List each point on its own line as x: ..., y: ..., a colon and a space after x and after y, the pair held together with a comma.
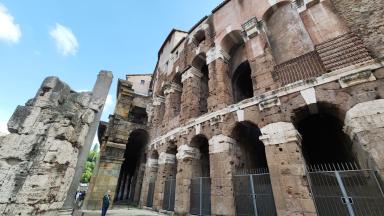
x: 343, y: 51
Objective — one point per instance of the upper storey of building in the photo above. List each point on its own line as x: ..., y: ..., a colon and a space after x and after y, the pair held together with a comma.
x: 140, y: 83
x: 248, y: 48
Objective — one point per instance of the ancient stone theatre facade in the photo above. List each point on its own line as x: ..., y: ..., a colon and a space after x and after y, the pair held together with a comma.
x: 264, y: 107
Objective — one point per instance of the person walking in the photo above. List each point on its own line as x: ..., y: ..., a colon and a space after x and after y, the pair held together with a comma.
x: 106, y: 199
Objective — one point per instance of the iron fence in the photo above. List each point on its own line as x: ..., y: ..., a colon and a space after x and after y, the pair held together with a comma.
x: 253, y: 193
x: 345, y: 189
x: 169, y: 194
x: 200, y: 196
x: 151, y: 191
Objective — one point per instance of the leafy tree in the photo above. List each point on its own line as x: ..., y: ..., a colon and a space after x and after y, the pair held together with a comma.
x: 89, y: 166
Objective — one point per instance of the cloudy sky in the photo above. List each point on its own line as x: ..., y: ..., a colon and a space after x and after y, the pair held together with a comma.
x: 74, y: 40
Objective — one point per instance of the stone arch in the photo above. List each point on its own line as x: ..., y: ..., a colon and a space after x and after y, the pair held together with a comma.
x: 323, y: 138
x: 130, y: 176
x: 242, y: 86
x: 232, y: 41
x: 200, y: 63
x: 286, y: 32
x: 199, y: 37
x: 202, y: 166
x: 249, y: 150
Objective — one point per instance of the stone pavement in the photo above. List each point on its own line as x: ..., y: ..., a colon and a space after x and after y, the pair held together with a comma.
x: 120, y: 211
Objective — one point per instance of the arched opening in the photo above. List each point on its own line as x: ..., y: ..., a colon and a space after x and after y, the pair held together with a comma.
x: 199, y: 37
x: 287, y: 35
x: 239, y: 68
x: 251, y: 180
x: 323, y: 139
x: 202, y: 167
x: 200, y: 190
x: 169, y: 173
x: 200, y: 63
x: 242, y: 82
x: 130, y: 169
x: 250, y: 151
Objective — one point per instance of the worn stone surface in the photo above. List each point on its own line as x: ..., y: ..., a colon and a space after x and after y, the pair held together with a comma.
x: 303, y: 60
x: 39, y: 157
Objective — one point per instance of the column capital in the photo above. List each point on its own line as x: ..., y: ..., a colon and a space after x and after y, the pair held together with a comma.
x: 221, y: 143
x: 187, y: 152
x: 191, y: 72
x: 165, y: 158
x: 216, y: 53
x: 279, y: 133
x: 158, y: 100
x: 171, y: 88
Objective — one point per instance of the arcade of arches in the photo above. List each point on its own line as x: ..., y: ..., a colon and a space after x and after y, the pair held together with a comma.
x: 278, y: 91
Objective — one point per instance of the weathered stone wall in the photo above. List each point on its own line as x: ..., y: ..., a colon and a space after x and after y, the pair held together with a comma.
x: 39, y: 158
x: 365, y: 17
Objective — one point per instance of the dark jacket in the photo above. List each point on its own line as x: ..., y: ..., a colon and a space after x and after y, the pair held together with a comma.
x: 105, y: 201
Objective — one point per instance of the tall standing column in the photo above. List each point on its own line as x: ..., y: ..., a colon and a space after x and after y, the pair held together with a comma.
x: 99, y: 95
x: 187, y: 160
x: 190, y: 96
x: 167, y: 168
x: 220, y: 90
x: 221, y: 155
x: 287, y: 169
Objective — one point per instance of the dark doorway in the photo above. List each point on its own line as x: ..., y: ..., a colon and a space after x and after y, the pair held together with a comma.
x: 242, y: 82
x: 129, y: 172
x: 324, y: 141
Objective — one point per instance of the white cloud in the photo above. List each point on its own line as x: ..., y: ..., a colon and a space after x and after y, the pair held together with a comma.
x: 66, y: 41
x: 9, y: 31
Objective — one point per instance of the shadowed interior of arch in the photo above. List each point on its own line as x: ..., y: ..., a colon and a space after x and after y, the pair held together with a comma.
x: 323, y: 139
x: 202, y: 167
x: 250, y: 151
x: 134, y: 154
x: 242, y: 82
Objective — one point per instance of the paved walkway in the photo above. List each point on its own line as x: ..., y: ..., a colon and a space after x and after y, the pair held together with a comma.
x: 122, y: 212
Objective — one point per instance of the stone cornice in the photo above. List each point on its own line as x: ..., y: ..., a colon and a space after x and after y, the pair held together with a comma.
x: 283, y: 91
x: 216, y: 53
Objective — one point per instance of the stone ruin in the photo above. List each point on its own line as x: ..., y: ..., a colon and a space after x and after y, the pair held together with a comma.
x: 42, y: 158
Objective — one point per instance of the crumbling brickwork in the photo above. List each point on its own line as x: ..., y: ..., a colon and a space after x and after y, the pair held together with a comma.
x: 299, y: 63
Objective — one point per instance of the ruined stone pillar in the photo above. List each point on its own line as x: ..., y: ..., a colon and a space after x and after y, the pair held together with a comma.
x: 150, y: 174
x: 167, y: 168
x: 221, y: 156
x: 287, y: 169
x: 364, y: 123
x: 158, y: 111
x: 111, y: 159
x: 187, y: 158
x: 220, y: 89
x: 139, y: 183
x: 191, y: 79
x: 99, y: 93
x: 172, y: 94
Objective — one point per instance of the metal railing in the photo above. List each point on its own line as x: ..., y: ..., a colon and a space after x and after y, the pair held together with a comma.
x: 253, y: 193
x: 169, y: 194
x: 345, y: 189
x: 200, y: 196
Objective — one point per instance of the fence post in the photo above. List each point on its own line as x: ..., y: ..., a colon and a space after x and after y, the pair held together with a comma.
x: 253, y: 195
x: 201, y: 196
x: 345, y: 195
